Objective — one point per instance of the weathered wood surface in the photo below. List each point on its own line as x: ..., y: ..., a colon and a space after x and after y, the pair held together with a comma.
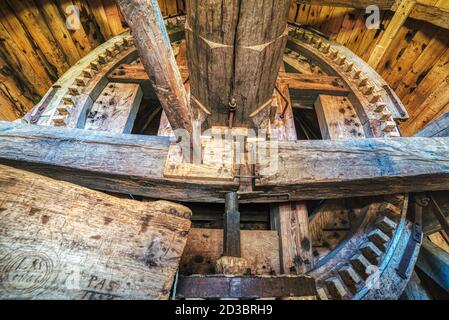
x: 437, y: 128
x: 332, y: 169
x: 314, y: 84
x: 337, y: 118
x: 290, y: 219
x: 204, y: 247
x: 153, y: 44
x: 130, y: 164
x: 62, y: 241
x: 115, y: 109
x: 234, y: 50
x: 134, y: 164
x: 235, y: 287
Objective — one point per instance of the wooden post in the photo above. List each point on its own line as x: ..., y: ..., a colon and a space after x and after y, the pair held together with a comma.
x: 152, y: 42
x: 231, y: 262
x: 234, y: 50
x: 291, y: 219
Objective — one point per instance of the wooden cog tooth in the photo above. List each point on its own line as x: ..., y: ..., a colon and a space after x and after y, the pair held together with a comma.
x: 388, y: 126
x: 386, y: 225
x: 74, y: 90
x: 349, y: 66
x: 361, y: 265
x: 375, y: 98
x: 59, y: 121
x: 369, y: 90
x: 363, y: 82
x: 64, y: 110
x: 111, y: 52
x: 341, y: 60
x: 318, y: 44
x: 371, y: 252
x: 380, y: 106
x: 68, y: 100
x: 95, y: 65
x: 390, y: 208
x: 335, y: 288
x: 103, y: 58
x: 379, y: 238
x: 81, y: 81
x: 385, y: 115
x: 333, y: 54
x: 88, y: 73
x: 119, y: 45
x: 350, y: 278
x: 129, y: 40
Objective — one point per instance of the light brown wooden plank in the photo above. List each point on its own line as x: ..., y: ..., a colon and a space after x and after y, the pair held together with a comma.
x: 85, y: 244
x: 115, y: 109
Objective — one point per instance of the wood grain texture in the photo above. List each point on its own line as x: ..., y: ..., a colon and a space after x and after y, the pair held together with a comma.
x: 205, y: 246
x: 115, y: 109
x: 234, y: 50
x: 62, y: 241
x: 358, y: 167
x: 152, y: 42
x: 130, y: 164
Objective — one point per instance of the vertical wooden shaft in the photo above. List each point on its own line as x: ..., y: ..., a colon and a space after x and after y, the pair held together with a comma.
x: 152, y: 42
x: 234, y: 49
x: 231, y: 241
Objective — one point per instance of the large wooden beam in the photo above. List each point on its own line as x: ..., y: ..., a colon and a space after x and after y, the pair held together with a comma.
x: 331, y: 169
x: 135, y: 164
x: 129, y: 164
x: 152, y: 42
x: 235, y: 49
x: 62, y: 241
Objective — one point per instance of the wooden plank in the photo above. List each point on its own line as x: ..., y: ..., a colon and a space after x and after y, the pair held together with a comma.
x: 437, y: 128
x: 153, y: 44
x: 260, y: 248
x: 291, y: 219
x: 436, y: 15
x: 337, y: 118
x: 115, y: 109
x: 85, y: 244
x: 130, y: 164
x: 314, y: 84
x: 356, y: 167
x: 401, y: 14
x: 294, y: 237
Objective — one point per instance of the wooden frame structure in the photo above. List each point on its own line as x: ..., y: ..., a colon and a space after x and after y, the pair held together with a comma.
x: 375, y: 166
